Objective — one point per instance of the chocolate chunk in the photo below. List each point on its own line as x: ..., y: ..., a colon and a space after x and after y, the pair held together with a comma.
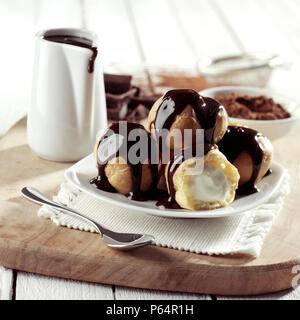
x: 117, y: 113
x: 146, y: 101
x: 116, y: 83
x: 117, y: 104
x: 125, y: 101
x: 138, y: 114
x: 115, y: 101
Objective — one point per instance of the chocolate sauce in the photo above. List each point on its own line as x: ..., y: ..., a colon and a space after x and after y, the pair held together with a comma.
x: 174, y: 164
x: 268, y: 172
x: 174, y: 102
x: 115, y: 143
x: 168, y: 202
x: 240, y: 139
x: 79, y: 42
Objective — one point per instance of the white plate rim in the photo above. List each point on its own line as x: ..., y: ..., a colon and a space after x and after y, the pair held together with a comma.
x: 173, y: 213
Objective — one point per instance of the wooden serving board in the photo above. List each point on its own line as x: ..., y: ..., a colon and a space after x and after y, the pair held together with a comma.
x: 35, y: 244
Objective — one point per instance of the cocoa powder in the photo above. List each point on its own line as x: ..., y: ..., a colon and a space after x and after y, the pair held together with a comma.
x: 252, y: 108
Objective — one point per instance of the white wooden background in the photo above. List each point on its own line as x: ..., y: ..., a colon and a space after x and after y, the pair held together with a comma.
x: 136, y: 33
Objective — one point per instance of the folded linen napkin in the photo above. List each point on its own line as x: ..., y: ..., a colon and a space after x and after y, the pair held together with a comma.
x: 242, y: 233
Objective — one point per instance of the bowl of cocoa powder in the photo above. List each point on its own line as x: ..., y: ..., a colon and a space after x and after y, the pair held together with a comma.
x: 266, y: 111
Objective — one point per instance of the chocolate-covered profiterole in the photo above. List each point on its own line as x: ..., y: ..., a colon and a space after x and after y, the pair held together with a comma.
x: 250, y: 152
x: 191, y: 188
x: 186, y: 109
x: 170, y: 169
x: 76, y: 41
x: 132, y: 179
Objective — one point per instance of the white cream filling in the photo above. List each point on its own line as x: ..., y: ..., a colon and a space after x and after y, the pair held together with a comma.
x: 210, y: 186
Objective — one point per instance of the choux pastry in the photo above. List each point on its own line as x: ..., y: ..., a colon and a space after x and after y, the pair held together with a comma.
x: 116, y: 171
x: 213, y: 187
x: 250, y: 152
x: 185, y: 109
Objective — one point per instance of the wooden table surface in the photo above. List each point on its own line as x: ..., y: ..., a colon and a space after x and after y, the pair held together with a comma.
x: 138, y: 33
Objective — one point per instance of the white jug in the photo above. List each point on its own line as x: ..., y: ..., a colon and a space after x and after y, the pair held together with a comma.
x: 68, y: 100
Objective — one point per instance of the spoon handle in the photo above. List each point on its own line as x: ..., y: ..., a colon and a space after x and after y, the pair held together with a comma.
x: 111, y: 238
x: 35, y: 196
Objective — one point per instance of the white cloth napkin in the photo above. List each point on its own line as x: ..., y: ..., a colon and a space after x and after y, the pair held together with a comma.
x: 243, y: 233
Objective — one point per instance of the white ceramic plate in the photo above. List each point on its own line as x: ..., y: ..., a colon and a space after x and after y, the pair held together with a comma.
x: 81, y: 172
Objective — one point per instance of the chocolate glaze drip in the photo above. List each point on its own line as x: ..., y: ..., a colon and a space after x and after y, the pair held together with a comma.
x: 79, y: 42
x: 175, y: 162
x: 107, y: 151
x: 174, y: 102
x: 268, y: 172
x: 240, y: 139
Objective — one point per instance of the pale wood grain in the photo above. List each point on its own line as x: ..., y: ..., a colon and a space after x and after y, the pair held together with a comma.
x: 197, y: 48
x: 123, y: 293
x: 267, y: 26
x: 19, y: 21
x: 255, y: 28
x: 58, y: 14
x: 283, y: 16
x: 290, y: 294
x: 6, y: 283
x: 37, y: 287
x: 37, y: 245
x: 16, y: 33
x: 110, y: 20
x: 205, y: 32
x: 160, y: 36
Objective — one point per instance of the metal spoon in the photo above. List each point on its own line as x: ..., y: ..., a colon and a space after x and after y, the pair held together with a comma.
x: 115, y: 240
